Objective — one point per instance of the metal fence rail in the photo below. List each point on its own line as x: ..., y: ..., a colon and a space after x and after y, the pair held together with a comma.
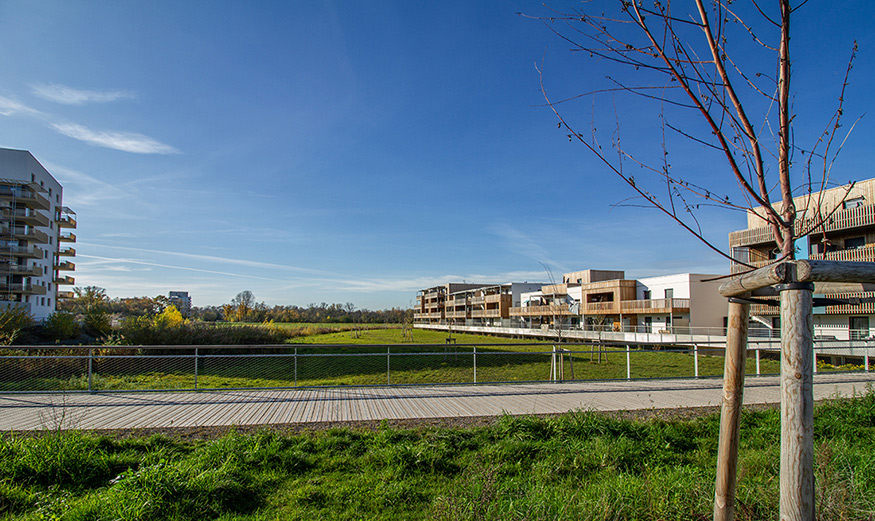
x: 145, y: 368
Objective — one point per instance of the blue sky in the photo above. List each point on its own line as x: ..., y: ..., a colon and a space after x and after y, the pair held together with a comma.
x: 354, y: 151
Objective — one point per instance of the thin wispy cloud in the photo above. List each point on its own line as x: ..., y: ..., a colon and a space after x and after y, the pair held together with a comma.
x: 213, y: 258
x: 171, y: 266
x: 10, y: 106
x: 124, y: 141
x: 71, y: 96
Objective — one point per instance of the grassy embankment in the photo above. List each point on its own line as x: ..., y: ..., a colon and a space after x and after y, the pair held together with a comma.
x: 513, y: 361
x: 582, y: 466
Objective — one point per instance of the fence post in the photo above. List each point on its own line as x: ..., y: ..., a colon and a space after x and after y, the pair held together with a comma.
x: 757, y: 351
x: 866, y: 355
x: 696, y: 360
x: 388, y: 358
x: 475, y: 364
x: 296, y: 366
x: 628, y: 363
x: 195, y: 368
x: 90, y: 359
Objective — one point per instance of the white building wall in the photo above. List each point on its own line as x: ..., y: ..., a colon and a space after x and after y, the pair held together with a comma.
x: 518, y: 289
x: 839, y: 326
x: 707, y: 306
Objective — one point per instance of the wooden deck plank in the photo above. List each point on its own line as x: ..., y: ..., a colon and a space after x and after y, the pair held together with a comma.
x: 255, y: 407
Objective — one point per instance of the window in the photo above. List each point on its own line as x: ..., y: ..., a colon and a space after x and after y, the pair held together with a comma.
x: 669, y: 293
x: 853, y: 203
x: 859, y: 327
x: 854, y: 243
x: 647, y: 294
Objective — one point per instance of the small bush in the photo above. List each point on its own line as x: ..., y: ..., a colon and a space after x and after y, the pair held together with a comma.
x: 61, y: 325
x: 13, y: 320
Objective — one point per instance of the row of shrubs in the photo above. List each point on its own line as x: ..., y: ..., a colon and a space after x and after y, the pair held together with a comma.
x: 166, y: 328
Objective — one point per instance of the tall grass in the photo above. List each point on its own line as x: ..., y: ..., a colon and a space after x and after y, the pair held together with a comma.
x: 581, y: 465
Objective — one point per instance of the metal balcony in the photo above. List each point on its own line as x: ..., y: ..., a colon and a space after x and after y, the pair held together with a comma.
x: 66, y: 266
x: 65, y: 280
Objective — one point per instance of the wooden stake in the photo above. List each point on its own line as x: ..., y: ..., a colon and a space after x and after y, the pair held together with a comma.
x: 730, y: 413
x: 797, y: 403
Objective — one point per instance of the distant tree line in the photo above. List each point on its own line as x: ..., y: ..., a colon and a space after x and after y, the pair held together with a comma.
x: 242, y: 308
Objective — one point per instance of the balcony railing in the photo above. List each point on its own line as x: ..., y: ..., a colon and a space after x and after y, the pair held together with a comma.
x: 866, y: 254
x: 28, y: 288
x: 67, y: 252
x: 26, y: 216
x: 24, y: 196
x: 22, y: 251
x: 21, y: 232
x: 841, y: 220
x: 65, y: 266
x: 541, y: 311
x: 67, y: 237
x: 65, y: 280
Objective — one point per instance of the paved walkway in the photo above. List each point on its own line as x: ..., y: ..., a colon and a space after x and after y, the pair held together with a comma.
x: 221, y: 408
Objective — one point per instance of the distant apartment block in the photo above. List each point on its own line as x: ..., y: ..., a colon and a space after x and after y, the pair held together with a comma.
x: 182, y: 301
x: 589, y: 299
x: 36, y: 237
x: 847, y: 235
x: 469, y: 304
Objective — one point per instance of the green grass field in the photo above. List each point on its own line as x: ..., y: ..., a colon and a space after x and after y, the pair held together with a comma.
x: 578, y: 466
x: 428, y: 360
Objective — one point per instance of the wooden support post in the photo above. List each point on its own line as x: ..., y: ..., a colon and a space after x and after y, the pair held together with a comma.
x: 730, y: 413
x: 797, y: 403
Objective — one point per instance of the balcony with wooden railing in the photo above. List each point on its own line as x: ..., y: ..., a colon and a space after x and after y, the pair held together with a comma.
x: 65, y: 280
x: 638, y: 307
x: 66, y: 218
x: 865, y: 254
x: 541, y: 311
x: 847, y: 219
x: 65, y: 266
x: 70, y: 294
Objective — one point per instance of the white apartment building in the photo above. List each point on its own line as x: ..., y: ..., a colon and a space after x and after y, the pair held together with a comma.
x: 592, y: 299
x: 35, y: 236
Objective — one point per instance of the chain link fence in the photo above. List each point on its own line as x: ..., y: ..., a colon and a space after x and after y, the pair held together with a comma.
x: 148, y: 368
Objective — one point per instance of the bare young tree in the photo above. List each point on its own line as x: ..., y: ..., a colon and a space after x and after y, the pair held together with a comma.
x: 700, y: 64
x: 719, y: 75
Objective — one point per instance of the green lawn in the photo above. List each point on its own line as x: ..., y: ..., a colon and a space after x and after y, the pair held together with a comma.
x: 578, y: 466
x: 498, y: 360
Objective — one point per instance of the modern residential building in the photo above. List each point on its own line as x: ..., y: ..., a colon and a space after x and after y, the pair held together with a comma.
x: 599, y: 299
x: 848, y: 234
x: 589, y: 299
x: 36, y: 237
x: 182, y: 301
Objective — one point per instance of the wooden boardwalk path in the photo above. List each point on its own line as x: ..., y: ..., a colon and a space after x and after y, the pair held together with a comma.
x: 263, y: 407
